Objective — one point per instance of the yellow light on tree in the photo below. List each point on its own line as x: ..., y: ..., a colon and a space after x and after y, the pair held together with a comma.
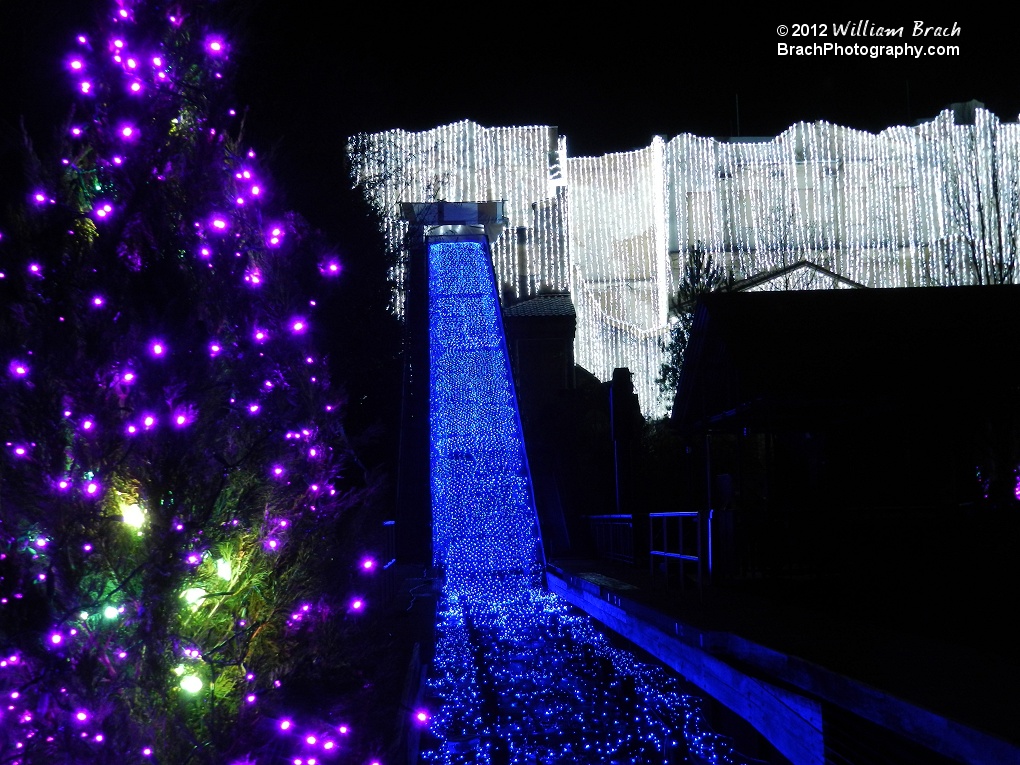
x: 133, y: 515
x: 191, y: 683
x: 193, y: 596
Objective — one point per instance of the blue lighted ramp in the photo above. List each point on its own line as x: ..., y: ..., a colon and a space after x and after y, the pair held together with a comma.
x: 518, y: 676
x: 484, y: 525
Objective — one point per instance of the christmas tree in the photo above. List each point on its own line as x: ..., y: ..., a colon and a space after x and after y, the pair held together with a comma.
x: 178, y: 498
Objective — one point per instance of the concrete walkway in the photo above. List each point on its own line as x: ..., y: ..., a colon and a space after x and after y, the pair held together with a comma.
x: 802, y: 675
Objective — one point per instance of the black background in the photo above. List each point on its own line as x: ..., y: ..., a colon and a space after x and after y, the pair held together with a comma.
x: 313, y: 74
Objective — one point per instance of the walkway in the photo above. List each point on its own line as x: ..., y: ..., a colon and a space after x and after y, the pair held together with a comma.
x: 932, y: 688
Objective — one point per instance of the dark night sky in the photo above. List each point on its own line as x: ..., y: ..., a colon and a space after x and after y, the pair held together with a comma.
x: 312, y: 74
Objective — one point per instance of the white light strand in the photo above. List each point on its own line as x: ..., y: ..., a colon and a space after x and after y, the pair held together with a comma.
x: 929, y: 205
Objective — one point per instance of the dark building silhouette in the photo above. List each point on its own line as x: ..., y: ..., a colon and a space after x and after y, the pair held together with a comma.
x: 864, y: 444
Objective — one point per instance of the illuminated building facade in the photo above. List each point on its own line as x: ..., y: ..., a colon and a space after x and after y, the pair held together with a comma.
x: 929, y: 205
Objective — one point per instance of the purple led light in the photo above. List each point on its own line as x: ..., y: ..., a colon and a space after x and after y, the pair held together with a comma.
x: 157, y: 348
x: 274, y: 236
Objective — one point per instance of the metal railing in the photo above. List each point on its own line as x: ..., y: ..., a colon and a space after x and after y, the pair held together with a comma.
x: 614, y: 536
x: 674, y: 541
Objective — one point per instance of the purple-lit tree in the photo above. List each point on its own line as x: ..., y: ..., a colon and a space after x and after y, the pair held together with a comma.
x: 174, y: 479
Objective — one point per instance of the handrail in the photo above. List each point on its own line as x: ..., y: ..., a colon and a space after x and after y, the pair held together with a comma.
x: 680, y: 552
x: 614, y: 536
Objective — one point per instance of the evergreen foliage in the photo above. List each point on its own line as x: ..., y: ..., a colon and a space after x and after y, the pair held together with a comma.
x: 177, y: 492
x: 700, y: 275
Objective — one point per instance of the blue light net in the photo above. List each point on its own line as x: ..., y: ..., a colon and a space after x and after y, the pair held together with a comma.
x: 519, y: 676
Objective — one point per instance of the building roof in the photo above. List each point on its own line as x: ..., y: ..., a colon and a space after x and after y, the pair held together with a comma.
x: 849, y: 350
x: 555, y: 304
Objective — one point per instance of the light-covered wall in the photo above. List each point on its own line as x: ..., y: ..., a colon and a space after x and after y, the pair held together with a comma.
x: 933, y: 204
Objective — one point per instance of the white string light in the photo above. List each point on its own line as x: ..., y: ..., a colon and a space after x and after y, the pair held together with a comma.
x: 929, y: 205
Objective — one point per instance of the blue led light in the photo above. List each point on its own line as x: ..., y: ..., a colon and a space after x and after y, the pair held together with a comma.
x: 518, y: 676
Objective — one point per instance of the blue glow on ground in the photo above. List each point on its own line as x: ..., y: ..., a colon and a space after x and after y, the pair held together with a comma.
x: 519, y: 676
